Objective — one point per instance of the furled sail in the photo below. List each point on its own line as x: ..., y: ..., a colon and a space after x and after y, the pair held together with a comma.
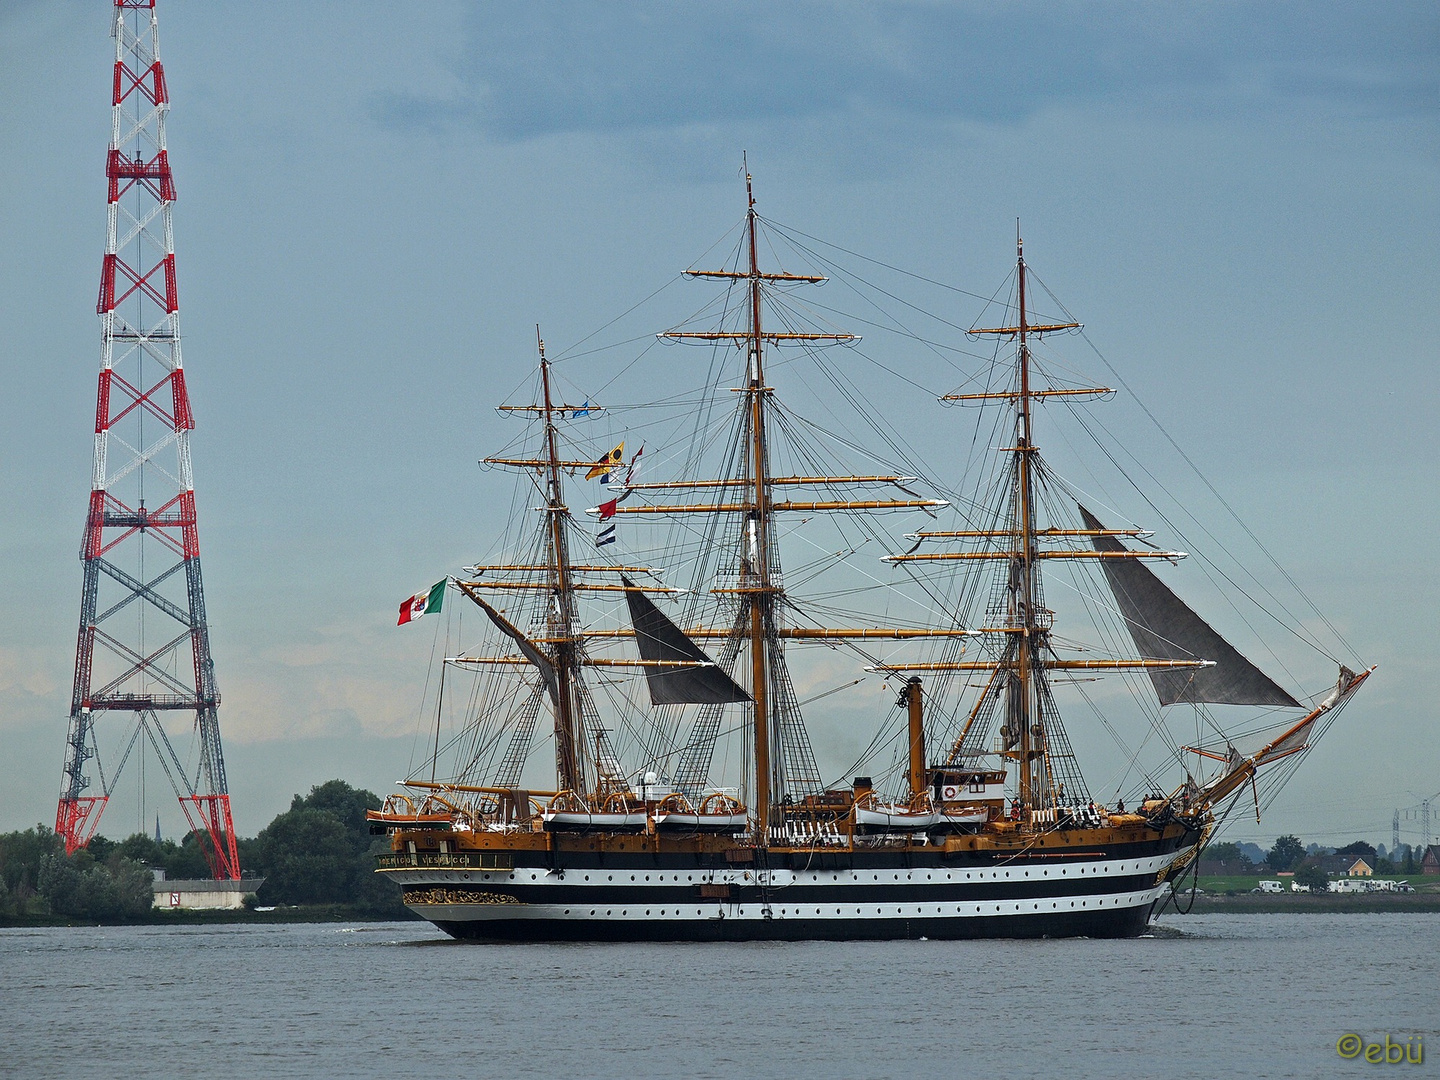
x: 698, y: 682
x: 528, y: 648
x: 1164, y: 628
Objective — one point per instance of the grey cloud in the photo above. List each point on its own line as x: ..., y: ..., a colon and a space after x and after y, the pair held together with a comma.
x: 560, y: 67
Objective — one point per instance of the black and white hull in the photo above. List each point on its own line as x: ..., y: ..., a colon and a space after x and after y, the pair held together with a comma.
x: 875, y: 895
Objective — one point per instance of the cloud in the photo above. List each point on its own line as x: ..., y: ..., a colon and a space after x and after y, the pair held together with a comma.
x: 31, y: 688
x: 543, y: 69
x: 333, y: 680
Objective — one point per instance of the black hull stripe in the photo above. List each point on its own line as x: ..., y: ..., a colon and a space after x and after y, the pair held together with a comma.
x: 1118, y: 923
x: 823, y: 859
x: 924, y: 892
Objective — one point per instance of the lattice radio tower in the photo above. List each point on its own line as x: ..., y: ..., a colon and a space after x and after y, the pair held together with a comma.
x: 143, y: 646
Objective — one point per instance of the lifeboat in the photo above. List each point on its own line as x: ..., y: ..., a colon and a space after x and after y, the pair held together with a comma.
x: 400, y: 812
x: 875, y: 815
x: 717, y: 813
x: 617, y: 814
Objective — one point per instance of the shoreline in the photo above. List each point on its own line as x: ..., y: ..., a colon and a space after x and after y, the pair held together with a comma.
x: 1290, y: 903
x: 1205, y: 904
x: 321, y: 913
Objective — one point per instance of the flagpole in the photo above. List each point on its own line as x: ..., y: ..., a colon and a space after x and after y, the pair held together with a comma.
x: 439, y: 700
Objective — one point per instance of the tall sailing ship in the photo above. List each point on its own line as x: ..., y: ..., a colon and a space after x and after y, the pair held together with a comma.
x: 983, y: 826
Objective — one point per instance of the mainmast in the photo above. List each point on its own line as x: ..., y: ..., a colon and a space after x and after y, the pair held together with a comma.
x: 756, y: 562
x: 561, y: 616
x: 759, y: 586
x: 1022, y: 582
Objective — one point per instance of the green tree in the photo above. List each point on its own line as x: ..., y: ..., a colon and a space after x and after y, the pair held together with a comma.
x: 374, y: 895
x: 1311, y: 875
x: 143, y: 849
x: 77, y: 885
x: 22, y: 854
x: 320, y: 851
x: 1359, y: 850
x: 100, y: 848
x: 1288, y: 851
x: 1230, y: 854
x: 307, y: 858
x: 185, y: 860
x: 346, y: 803
x: 189, y: 860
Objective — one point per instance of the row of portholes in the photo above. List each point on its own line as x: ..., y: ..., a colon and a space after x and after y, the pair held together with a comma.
x: 658, y: 877
x: 816, y: 878
x: 690, y: 877
x: 698, y: 911
x: 919, y: 910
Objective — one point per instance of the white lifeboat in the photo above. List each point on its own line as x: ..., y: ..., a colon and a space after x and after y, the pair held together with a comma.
x: 717, y: 813
x: 872, y: 813
x: 618, y: 814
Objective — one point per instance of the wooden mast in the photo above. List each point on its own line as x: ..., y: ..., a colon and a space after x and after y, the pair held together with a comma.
x: 1025, y: 621
x: 561, y: 615
x: 758, y: 587
x: 1024, y: 553
x: 914, y: 703
x: 757, y: 562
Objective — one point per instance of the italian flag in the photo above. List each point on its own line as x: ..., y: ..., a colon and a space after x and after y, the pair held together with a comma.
x: 422, y: 603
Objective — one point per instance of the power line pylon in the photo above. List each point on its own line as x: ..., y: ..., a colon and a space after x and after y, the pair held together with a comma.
x: 142, y: 607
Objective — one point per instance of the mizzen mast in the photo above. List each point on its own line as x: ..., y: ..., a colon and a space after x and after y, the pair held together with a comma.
x: 561, y: 615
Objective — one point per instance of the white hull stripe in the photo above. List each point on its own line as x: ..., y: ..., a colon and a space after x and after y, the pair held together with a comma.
x: 778, y: 909
x: 779, y: 879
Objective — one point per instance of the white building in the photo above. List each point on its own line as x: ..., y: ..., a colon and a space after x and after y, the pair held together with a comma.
x: 195, y: 894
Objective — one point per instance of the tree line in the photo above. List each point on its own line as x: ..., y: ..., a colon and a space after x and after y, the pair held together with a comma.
x: 1290, y: 855
x: 319, y: 851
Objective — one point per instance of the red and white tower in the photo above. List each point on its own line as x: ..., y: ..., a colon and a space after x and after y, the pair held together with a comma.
x: 143, y: 648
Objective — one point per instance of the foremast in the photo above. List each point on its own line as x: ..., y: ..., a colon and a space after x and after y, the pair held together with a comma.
x: 1184, y: 657
x: 1028, y: 623
x: 1031, y: 733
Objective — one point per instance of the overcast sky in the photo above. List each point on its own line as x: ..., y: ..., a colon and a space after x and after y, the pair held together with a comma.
x: 378, y: 204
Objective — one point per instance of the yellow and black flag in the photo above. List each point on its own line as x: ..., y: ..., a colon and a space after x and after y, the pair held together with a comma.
x: 602, y: 468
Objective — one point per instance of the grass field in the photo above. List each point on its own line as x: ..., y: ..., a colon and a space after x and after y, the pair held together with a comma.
x: 1244, y: 883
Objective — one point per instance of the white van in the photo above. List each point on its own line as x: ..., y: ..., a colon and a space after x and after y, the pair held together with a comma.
x: 1269, y: 886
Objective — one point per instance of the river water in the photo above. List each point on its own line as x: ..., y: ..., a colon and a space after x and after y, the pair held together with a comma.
x: 1204, y: 996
